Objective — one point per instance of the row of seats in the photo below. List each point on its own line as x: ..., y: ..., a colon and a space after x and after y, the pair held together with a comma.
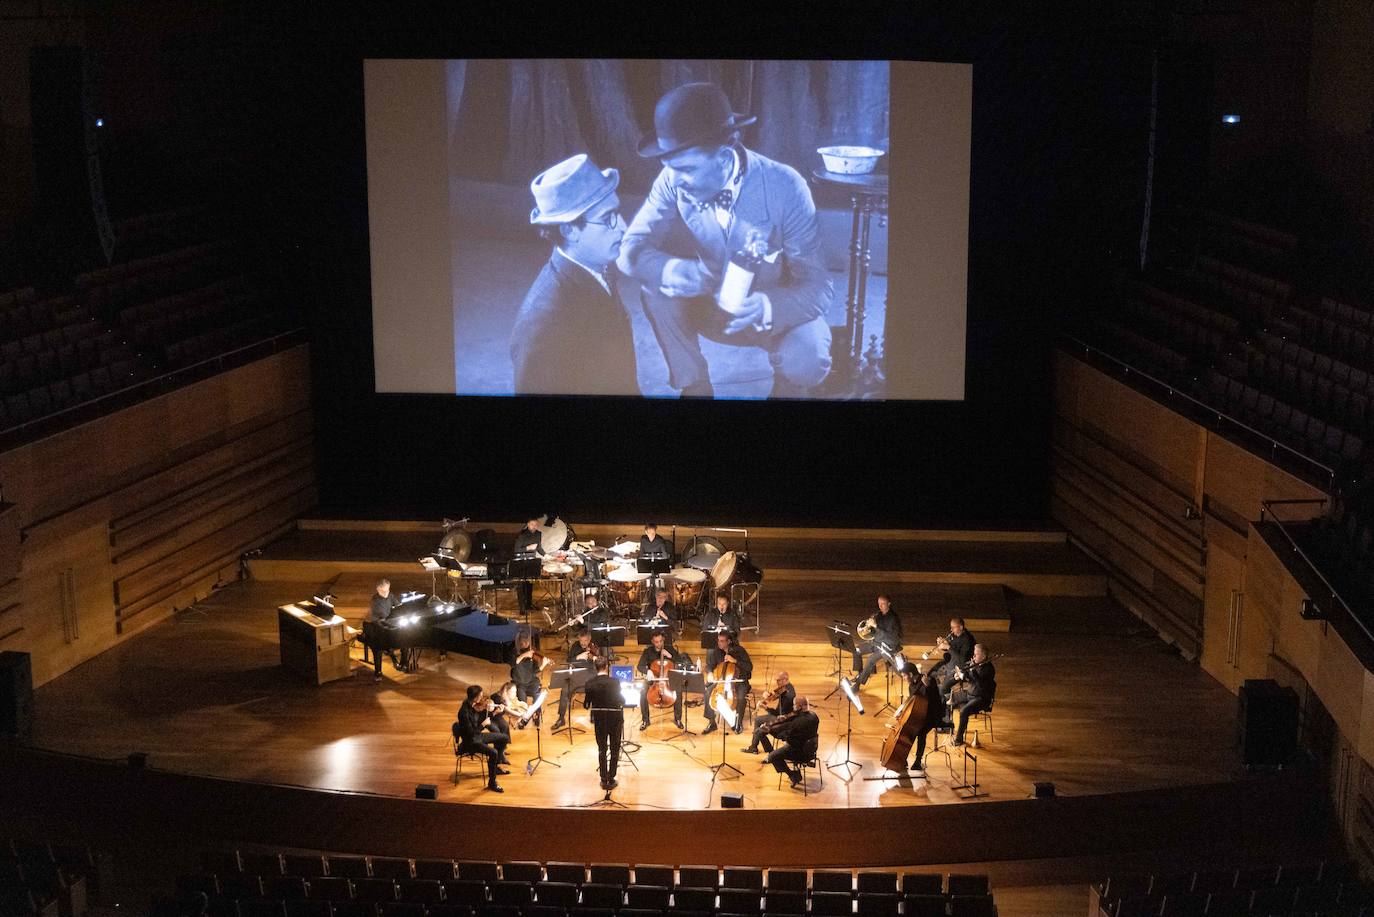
x: 45, y: 400
x: 1280, y: 891
x: 43, y: 880
x: 149, y: 233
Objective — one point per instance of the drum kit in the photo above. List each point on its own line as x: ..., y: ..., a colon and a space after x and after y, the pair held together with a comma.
x: 570, y: 569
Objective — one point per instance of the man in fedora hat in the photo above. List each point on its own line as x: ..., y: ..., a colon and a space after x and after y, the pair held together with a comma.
x: 572, y: 335
x: 712, y: 199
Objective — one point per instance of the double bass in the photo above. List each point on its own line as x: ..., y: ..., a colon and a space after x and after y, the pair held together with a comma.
x: 907, y: 724
x: 659, y: 694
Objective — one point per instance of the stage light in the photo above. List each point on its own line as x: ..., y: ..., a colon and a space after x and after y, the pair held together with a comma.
x: 853, y: 696
x: 99, y: 122
x: 1230, y: 119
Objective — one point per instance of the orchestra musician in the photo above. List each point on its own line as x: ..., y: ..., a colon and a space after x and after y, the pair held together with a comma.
x: 528, y: 543
x: 922, y: 683
x: 592, y: 614
x: 603, y: 698
x: 508, y: 696
x: 980, y: 679
x: 383, y: 603
x: 888, y: 632
x: 778, y: 702
x: 528, y: 664
x: 660, y: 648
x: 722, y: 617
x: 662, y: 612
x: 474, y: 732
x: 727, y: 650
x: 798, y: 732
x: 652, y: 546
x: 957, y: 649
x: 581, y: 655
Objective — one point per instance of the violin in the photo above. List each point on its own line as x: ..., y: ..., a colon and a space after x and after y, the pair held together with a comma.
x: 771, y: 697
x: 769, y: 726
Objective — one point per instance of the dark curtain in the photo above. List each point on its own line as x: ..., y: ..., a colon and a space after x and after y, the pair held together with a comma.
x: 512, y: 119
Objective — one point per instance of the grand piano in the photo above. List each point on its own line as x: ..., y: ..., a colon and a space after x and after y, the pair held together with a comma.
x: 449, y: 627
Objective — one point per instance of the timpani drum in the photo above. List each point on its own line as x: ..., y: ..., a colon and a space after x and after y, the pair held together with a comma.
x: 685, y: 585
x: 627, y: 586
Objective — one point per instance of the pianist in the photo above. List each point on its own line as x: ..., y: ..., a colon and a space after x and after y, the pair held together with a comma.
x: 383, y: 603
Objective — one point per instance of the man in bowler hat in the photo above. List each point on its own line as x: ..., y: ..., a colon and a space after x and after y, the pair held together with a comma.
x: 572, y: 335
x: 712, y: 199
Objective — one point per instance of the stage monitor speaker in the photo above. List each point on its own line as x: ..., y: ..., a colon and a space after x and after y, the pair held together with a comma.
x: 426, y: 791
x: 1268, y: 723
x: 16, y: 695
x: 1044, y: 789
x: 732, y: 800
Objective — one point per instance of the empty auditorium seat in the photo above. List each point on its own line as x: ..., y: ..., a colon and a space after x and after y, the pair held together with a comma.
x: 788, y: 880
x: 574, y: 873
x: 522, y: 872
x: 442, y: 870
x: 966, y: 884
x: 832, y: 881
x: 481, y: 870
x: 742, y: 877
x: 609, y: 874
x: 397, y: 868
x: 698, y: 876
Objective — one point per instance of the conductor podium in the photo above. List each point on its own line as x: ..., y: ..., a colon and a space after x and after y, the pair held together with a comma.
x: 314, y: 641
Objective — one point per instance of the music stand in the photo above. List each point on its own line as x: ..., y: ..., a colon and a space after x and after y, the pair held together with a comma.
x: 848, y: 762
x: 725, y: 729
x: 843, y: 642
x: 708, y: 636
x: 608, y: 636
x: 693, y: 680
x: 891, y: 657
x: 533, y: 714
x: 569, y: 679
x: 973, y: 791
x: 644, y: 633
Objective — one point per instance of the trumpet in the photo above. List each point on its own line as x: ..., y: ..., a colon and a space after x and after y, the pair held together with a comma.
x: 941, y: 644
x: 867, y: 627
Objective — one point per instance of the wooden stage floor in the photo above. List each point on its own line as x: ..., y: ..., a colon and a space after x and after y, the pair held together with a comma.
x: 1088, y: 699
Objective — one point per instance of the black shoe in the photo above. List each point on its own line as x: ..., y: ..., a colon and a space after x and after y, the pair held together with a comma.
x: 750, y: 749
x: 494, y: 788
x: 376, y: 679
x: 739, y: 729
x: 710, y: 728
x: 558, y: 725
x: 795, y: 776
x: 605, y: 785
x: 956, y: 743
x: 644, y: 725
x: 679, y: 725
x: 501, y: 772
x: 612, y: 783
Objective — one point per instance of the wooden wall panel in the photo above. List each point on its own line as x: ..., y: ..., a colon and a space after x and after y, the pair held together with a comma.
x: 133, y: 515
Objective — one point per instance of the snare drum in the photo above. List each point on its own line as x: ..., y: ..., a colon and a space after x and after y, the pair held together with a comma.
x: 627, y: 586
x: 685, y: 585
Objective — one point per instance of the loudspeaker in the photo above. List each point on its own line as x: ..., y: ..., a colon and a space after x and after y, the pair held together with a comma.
x: 1268, y: 723
x: 426, y: 791
x: 16, y: 695
x: 732, y: 800
x: 1044, y: 789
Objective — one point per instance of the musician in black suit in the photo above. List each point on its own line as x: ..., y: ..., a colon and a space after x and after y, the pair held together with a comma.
x: 607, y: 704
x: 530, y: 539
x: 661, y: 613
x: 524, y: 671
x: 888, y: 633
x: 722, y: 616
x: 765, y: 714
x: 582, y: 655
x: 652, y: 546
x: 980, y: 675
x: 921, y: 683
x: 958, y: 650
x: 474, y: 732
x: 799, y: 734
x: 660, y: 648
x: 383, y: 603
x: 727, y: 650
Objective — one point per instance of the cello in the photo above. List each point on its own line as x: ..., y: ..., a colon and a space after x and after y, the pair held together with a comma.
x: 907, y: 723
x: 659, y: 694
x: 722, y: 686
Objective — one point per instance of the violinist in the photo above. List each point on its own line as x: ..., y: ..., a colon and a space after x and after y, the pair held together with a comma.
x: 777, y: 703
x: 721, y: 618
x: 980, y: 679
x: 798, y: 732
x: 923, y: 684
x: 659, y: 648
x: 473, y: 733
x: 528, y: 665
x: 887, y: 632
x: 580, y: 655
x: 607, y: 704
x: 728, y: 655
x: 508, y: 696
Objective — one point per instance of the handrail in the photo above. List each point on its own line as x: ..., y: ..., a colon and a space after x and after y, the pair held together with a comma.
x: 16, y: 432
x: 1207, y: 408
x: 1267, y: 506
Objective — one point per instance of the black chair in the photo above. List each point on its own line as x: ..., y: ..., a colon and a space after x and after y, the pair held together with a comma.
x: 353, y: 909
x: 1299, y: 874
x: 640, y: 912
x: 299, y: 864
x: 694, y: 899
x: 592, y: 912
x: 832, y: 904
x: 543, y: 910
x: 741, y: 901
x: 1230, y: 903
x: 401, y: 909
x: 878, y: 904
x: 466, y: 892
x: 655, y: 875
x: 878, y: 882
x: 480, y: 870
x: 832, y: 880
x: 698, y: 877
x: 556, y: 894
x: 923, y: 906
x: 923, y: 883
x: 287, y: 888
x: 648, y: 897
x: 222, y: 861
x: 187, y: 886
x: 498, y: 910
x: 309, y: 907
x: 375, y: 891
x: 1188, y: 904
x: 742, y: 877
x: 443, y: 870
x: 523, y: 871
x: 350, y: 867
x: 966, y: 884
x: 788, y: 880
x: 972, y: 906
x: 1276, y: 899
x: 509, y: 894
x: 397, y: 868
x: 262, y: 907
x: 336, y: 889
x: 241, y: 886
x: 449, y: 910
x: 575, y: 873
x: 778, y: 901
x: 598, y: 895
x: 1214, y: 880
x: 609, y: 874
x: 421, y: 891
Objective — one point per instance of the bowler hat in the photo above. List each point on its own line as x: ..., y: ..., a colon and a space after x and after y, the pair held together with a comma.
x: 565, y: 191
x: 691, y: 115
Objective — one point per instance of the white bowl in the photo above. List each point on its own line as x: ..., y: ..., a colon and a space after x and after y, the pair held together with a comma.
x: 849, y: 160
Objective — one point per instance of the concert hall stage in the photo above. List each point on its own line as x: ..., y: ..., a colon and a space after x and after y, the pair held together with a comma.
x: 1088, y: 698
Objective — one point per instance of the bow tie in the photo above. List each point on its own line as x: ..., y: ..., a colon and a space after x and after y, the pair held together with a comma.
x: 722, y: 199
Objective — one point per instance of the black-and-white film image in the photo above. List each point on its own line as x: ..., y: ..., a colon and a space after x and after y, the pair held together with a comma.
x: 667, y: 228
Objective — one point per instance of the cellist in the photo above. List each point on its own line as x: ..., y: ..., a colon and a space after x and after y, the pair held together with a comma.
x: 922, y: 683
x: 728, y: 654
x: 659, y: 650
